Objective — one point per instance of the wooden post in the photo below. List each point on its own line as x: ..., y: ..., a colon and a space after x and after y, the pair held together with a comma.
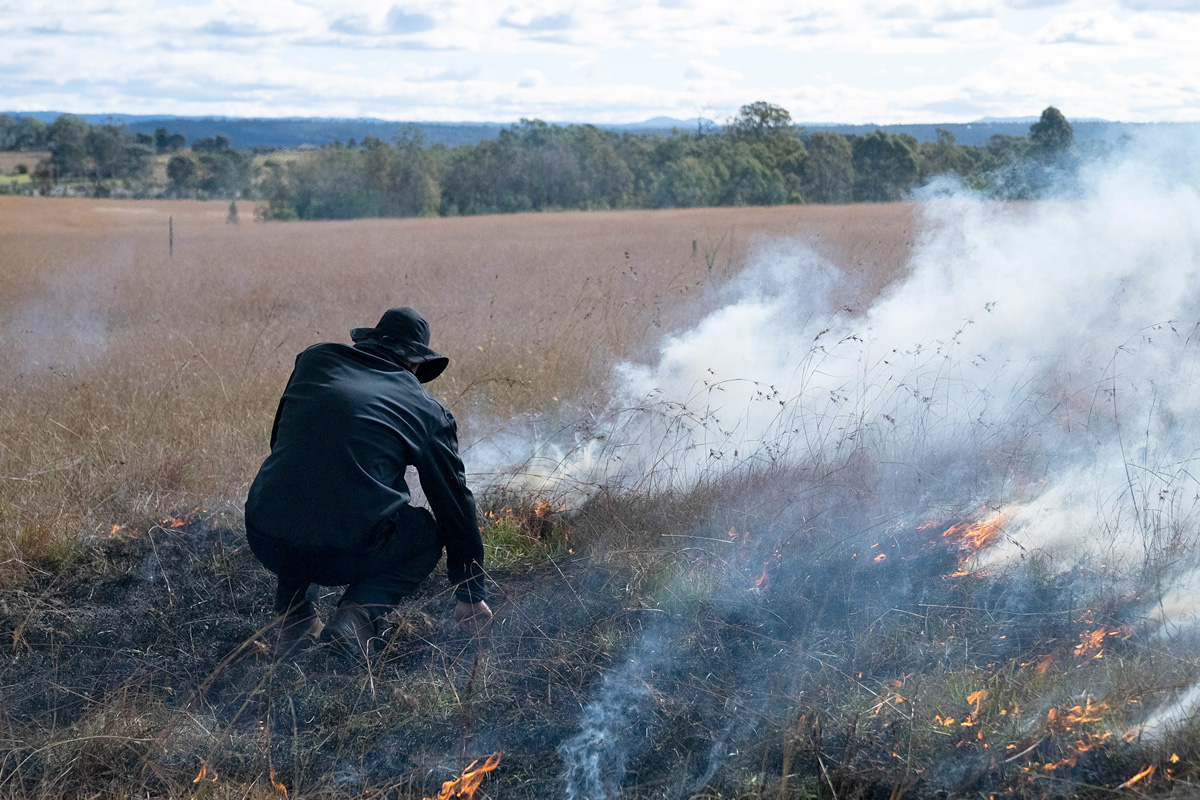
x: 171, y: 237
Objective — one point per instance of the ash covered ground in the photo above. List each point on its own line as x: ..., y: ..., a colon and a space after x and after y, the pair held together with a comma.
x: 680, y: 651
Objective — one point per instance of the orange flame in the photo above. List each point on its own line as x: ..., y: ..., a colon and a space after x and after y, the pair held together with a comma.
x: 1145, y: 773
x: 1093, y: 641
x: 278, y: 785
x: 974, y: 536
x: 1076, y: 715
x: 203, y: 774
x: 186, y: 519
x: 464, y: 788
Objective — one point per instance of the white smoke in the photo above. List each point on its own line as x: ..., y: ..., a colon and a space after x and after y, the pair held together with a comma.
x: 596, y: 756
x: 1041, y: 356
x: 1067, y: 321
x: 64, y: 324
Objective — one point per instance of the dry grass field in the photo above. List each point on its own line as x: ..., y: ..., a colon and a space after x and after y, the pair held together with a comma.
x: 137, y: 383
x: 9, y: 159
x: 714, y: 642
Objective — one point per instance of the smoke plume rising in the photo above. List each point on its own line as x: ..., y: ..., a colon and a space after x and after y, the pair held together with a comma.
x: 1038, y: 357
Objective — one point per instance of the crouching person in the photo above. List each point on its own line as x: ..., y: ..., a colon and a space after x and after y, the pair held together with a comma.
x: 330, y: 505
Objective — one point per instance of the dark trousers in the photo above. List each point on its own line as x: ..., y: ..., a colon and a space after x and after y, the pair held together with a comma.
x: 379, y: 576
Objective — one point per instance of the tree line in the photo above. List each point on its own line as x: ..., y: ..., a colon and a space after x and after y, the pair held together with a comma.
x: 758, y: 158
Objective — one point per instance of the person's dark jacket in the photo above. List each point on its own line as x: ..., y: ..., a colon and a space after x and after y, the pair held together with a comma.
x: 350, y: 421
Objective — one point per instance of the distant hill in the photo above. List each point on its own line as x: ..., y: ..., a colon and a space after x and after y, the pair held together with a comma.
x: 292, y: 132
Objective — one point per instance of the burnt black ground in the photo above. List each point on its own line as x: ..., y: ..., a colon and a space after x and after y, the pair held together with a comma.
x: 143, y: 666
x: 179, y: 619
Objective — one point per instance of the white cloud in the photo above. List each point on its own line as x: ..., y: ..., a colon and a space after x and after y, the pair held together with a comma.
x: 532, y: 79
x: 1189, y: 6
x: 400, y: 20
x: 702, y: 71
x: 1083, y: 28
x: 611, y: 60
x: 524, y: 19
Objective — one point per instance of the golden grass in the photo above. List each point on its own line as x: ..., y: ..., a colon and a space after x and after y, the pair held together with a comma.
x: 137, y: 385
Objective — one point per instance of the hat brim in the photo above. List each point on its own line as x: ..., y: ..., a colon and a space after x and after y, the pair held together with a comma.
x: 430, y: 363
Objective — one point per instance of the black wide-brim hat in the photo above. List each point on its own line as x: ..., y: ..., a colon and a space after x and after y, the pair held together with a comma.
x: 406, y: 332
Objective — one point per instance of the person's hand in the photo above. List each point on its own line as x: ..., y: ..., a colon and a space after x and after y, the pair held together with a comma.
x: 472, y: 617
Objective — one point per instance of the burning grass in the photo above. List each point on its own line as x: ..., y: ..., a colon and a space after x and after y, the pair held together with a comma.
x: 145, y: 669
x: 787, y: 629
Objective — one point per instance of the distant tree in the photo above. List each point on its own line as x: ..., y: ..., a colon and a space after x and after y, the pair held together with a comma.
x: 533, y: 166
x: 1006, y: 171
x: 760, y: 120
x: 181, y: 172
x: 885, y: 166
x: 607, y: 178
x: 69, y: 160
x: 1052, y: 135
x: 30, y: 133
x: 220, y: 170
x: 749, y: 179
x: 114, y: 155
x: 687, y: 183
x: 276, y: 191
x: 67, y: 137
x: 22, y: 169
x: 139, y: 162
x: 213, y: 144
x: 144, y: 138
x: 412, y: 188
x: 106, y: 146
x: 43, y: 174
x: 167, y: 142
x: 829, y: 170
x: 23, y: 133
x: 67, y: 128
x: 8, y: 126
x: 1006, y: 149
x: 946, y: 156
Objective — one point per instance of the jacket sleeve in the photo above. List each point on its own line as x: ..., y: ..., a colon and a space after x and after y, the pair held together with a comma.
x: 445, y: 484
x: 279, y: 408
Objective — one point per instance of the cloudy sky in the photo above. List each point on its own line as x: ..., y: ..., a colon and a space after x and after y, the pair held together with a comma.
x: 879, y: 61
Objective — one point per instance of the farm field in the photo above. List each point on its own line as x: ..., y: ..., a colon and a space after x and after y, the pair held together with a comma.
x: 9, y: 160
x: 727, y: 634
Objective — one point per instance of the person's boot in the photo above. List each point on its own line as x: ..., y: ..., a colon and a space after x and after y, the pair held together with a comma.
x: 350, y: 631
x: 298, y: 630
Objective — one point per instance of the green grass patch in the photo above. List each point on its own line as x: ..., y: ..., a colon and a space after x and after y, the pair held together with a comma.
x: 515, y: 535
